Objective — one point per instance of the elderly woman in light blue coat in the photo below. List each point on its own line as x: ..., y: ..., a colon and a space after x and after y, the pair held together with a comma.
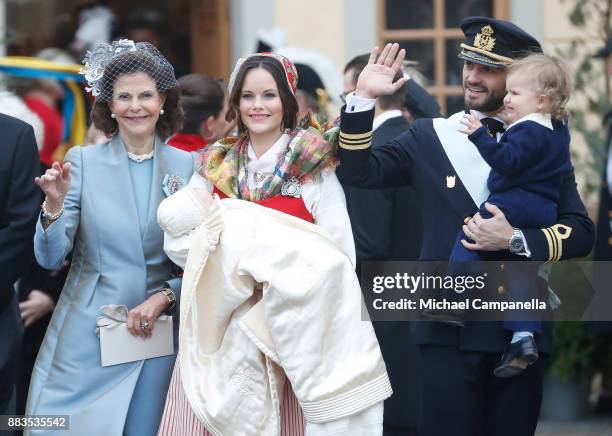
x: 101, y: 204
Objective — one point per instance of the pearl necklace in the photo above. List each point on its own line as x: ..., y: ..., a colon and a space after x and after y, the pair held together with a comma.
x: 140, y: 157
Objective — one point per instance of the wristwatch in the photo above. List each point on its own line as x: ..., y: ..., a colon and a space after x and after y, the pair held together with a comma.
x: 169, y: 294
x: 516, y: 243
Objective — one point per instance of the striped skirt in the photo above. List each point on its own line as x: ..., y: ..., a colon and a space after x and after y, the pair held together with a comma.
x: 179, y: 419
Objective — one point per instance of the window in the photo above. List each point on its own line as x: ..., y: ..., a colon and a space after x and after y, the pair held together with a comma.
x: 429, y: 31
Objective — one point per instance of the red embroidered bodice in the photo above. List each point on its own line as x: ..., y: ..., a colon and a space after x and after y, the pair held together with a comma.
x: 289, y: 205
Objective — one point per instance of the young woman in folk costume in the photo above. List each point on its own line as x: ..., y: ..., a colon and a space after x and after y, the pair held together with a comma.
x: 279, y: 166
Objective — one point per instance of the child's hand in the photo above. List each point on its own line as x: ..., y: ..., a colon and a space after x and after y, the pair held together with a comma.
x: 471, y: 123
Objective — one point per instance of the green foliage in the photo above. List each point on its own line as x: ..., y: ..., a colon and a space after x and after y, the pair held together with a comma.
x: 572, y: 352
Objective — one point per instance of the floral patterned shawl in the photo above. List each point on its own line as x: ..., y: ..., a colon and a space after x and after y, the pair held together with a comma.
x: 310, y: 151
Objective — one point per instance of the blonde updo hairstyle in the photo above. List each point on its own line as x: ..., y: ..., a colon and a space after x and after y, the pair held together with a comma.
x: 553, y: 80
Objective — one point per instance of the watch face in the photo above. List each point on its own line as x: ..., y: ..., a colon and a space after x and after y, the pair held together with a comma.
x: 516, y: 244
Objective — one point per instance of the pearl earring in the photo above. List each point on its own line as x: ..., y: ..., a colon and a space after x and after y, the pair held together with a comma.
x: 113, y: 115
x: 161, y: 111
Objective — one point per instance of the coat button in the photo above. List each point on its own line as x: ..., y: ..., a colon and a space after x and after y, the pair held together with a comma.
x: 501, y: 290
x: 502, y: 267
x: 466, y: 219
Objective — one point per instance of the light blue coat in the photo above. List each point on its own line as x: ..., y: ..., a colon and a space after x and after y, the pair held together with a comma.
x: 111, y: 264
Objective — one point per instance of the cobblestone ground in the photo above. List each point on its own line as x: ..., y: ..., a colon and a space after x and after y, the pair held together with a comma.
x: 590, y: 427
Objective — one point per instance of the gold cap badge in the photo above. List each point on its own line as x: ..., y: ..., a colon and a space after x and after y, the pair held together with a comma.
x: 484, y: 40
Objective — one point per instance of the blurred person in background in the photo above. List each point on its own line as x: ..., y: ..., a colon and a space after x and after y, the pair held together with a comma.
x: 603, y: 244
x: 95, y: 23
x: 419, y: 103
x: 204, y: 102
x: 149, y: 24
x: 320, y: 81
x: 14, y: 106
x: 311, y: 94
x: 43, y: 96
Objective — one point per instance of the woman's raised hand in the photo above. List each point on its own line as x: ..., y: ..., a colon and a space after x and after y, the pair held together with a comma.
x: 376, y: 79
x: 55, y: 183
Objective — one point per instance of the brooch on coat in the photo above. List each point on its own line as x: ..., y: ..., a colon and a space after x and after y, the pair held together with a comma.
x: 172, y: 183
x: 291, y: 188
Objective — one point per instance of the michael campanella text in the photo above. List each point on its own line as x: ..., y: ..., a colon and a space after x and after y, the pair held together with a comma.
x: 444, y: 304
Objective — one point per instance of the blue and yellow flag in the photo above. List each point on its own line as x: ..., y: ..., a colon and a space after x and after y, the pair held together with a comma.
x: 73, y: 106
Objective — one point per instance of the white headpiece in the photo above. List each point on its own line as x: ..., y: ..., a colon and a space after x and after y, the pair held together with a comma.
x: 106, y: 62
x: 288, y: 68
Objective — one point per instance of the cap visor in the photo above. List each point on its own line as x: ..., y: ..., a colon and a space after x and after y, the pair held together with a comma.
x: 479, y: 59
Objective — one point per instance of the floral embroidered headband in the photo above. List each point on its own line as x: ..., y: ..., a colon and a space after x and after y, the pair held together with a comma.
x: 288, y: 67
x: 125, y: 56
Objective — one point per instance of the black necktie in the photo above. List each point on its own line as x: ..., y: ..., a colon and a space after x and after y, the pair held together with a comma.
x: 493, y: 126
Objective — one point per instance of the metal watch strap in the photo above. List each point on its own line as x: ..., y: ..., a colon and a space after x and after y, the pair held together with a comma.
x: 169, y: 294
x: 516, y: 233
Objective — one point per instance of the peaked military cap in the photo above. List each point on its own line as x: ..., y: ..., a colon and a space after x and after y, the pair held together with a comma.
x: 495, y: 43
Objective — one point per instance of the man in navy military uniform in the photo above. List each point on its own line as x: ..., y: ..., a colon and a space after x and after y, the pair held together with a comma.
x: 459, y: 393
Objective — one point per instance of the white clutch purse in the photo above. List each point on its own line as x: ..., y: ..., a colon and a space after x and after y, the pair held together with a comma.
x: 118, y: 345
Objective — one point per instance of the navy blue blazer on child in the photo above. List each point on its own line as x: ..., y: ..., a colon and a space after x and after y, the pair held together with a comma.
x: 527, y: 168
x: 525, y: 182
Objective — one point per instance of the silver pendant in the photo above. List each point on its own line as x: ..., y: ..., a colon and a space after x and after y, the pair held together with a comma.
x: 259, y: 177
x: 291, y: 188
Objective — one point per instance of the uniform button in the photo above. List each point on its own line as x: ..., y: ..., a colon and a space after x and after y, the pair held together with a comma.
x: 610, y: 213
x: 501, y: 290
x: 502, y: 267
x: 466, y: 219
x: 610, y: 241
